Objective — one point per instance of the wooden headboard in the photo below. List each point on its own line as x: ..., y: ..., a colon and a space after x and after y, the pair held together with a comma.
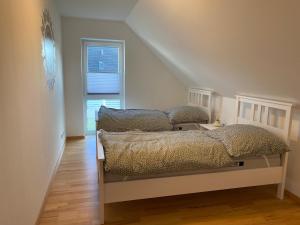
x: 274, y: 116
x: 201, y: 98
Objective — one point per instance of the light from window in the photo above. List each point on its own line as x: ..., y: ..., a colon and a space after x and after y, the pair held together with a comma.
x: 92, y: 107
x: 103, y: 75
x: 103, y: 59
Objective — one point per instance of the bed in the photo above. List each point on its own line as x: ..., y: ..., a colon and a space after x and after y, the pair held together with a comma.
x: 244, y: 172
x: 197, y: 98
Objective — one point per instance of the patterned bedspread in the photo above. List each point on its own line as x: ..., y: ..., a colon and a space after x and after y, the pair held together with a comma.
x: 147, y: 153
x: 144, y: 153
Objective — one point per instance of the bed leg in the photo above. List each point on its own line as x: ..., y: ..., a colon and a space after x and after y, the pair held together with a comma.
x: 101, y: 192
x: 280, y: 191
x: 281, y: 186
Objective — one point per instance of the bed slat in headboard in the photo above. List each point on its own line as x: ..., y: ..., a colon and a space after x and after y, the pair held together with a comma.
x: 196, y: 98
x: 263, y: 116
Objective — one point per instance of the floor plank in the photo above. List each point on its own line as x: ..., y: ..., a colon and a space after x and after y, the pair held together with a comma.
x: 73, y: 200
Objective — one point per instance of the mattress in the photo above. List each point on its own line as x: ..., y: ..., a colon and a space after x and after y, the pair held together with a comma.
x: 187, y: 126
x: 239, y: 164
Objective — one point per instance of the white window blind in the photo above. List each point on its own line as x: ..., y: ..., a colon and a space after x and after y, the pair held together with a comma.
x: 103, y: 70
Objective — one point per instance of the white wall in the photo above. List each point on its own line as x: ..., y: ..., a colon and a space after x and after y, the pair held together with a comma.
x: 32, y: 117
x: 148, y: 82
x: 293, y: 176
x: 231, y: 46
x: 227, y: 110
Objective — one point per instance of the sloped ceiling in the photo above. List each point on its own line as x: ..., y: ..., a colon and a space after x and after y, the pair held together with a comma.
x: 231, y: 46
x: 96, y: 9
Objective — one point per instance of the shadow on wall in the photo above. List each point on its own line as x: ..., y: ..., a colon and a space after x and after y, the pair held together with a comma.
x: 219, y: 110
x: 295, y: 127
x: 293, y: 176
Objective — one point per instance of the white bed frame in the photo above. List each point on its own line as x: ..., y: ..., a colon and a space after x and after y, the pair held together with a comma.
x: 202, y: 99
x: 185, y: 184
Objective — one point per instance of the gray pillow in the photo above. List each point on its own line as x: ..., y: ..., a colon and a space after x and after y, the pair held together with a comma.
x: 119, y: 120
x: 187, y: 114
x: 247, y: 140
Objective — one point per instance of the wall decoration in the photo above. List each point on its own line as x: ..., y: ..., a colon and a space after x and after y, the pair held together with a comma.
x: 48, y: 49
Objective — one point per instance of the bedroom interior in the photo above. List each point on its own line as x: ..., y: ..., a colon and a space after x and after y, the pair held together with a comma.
x: 149, y: 112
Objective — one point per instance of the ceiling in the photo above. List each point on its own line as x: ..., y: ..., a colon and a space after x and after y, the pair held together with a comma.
x: 96, y: 9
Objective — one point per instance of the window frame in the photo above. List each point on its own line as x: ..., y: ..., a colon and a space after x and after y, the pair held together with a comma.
x: 84, y: 70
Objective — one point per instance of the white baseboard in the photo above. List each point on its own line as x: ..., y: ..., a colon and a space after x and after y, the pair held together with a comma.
x: 50, y: 181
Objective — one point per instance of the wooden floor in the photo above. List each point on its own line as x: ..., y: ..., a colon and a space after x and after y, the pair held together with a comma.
x: 73, y: 200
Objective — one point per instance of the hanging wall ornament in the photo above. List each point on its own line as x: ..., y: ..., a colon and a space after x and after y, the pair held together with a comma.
x: 48, y: 49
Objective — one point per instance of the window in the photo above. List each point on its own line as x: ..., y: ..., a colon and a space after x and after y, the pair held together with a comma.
x: 103, y: 63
